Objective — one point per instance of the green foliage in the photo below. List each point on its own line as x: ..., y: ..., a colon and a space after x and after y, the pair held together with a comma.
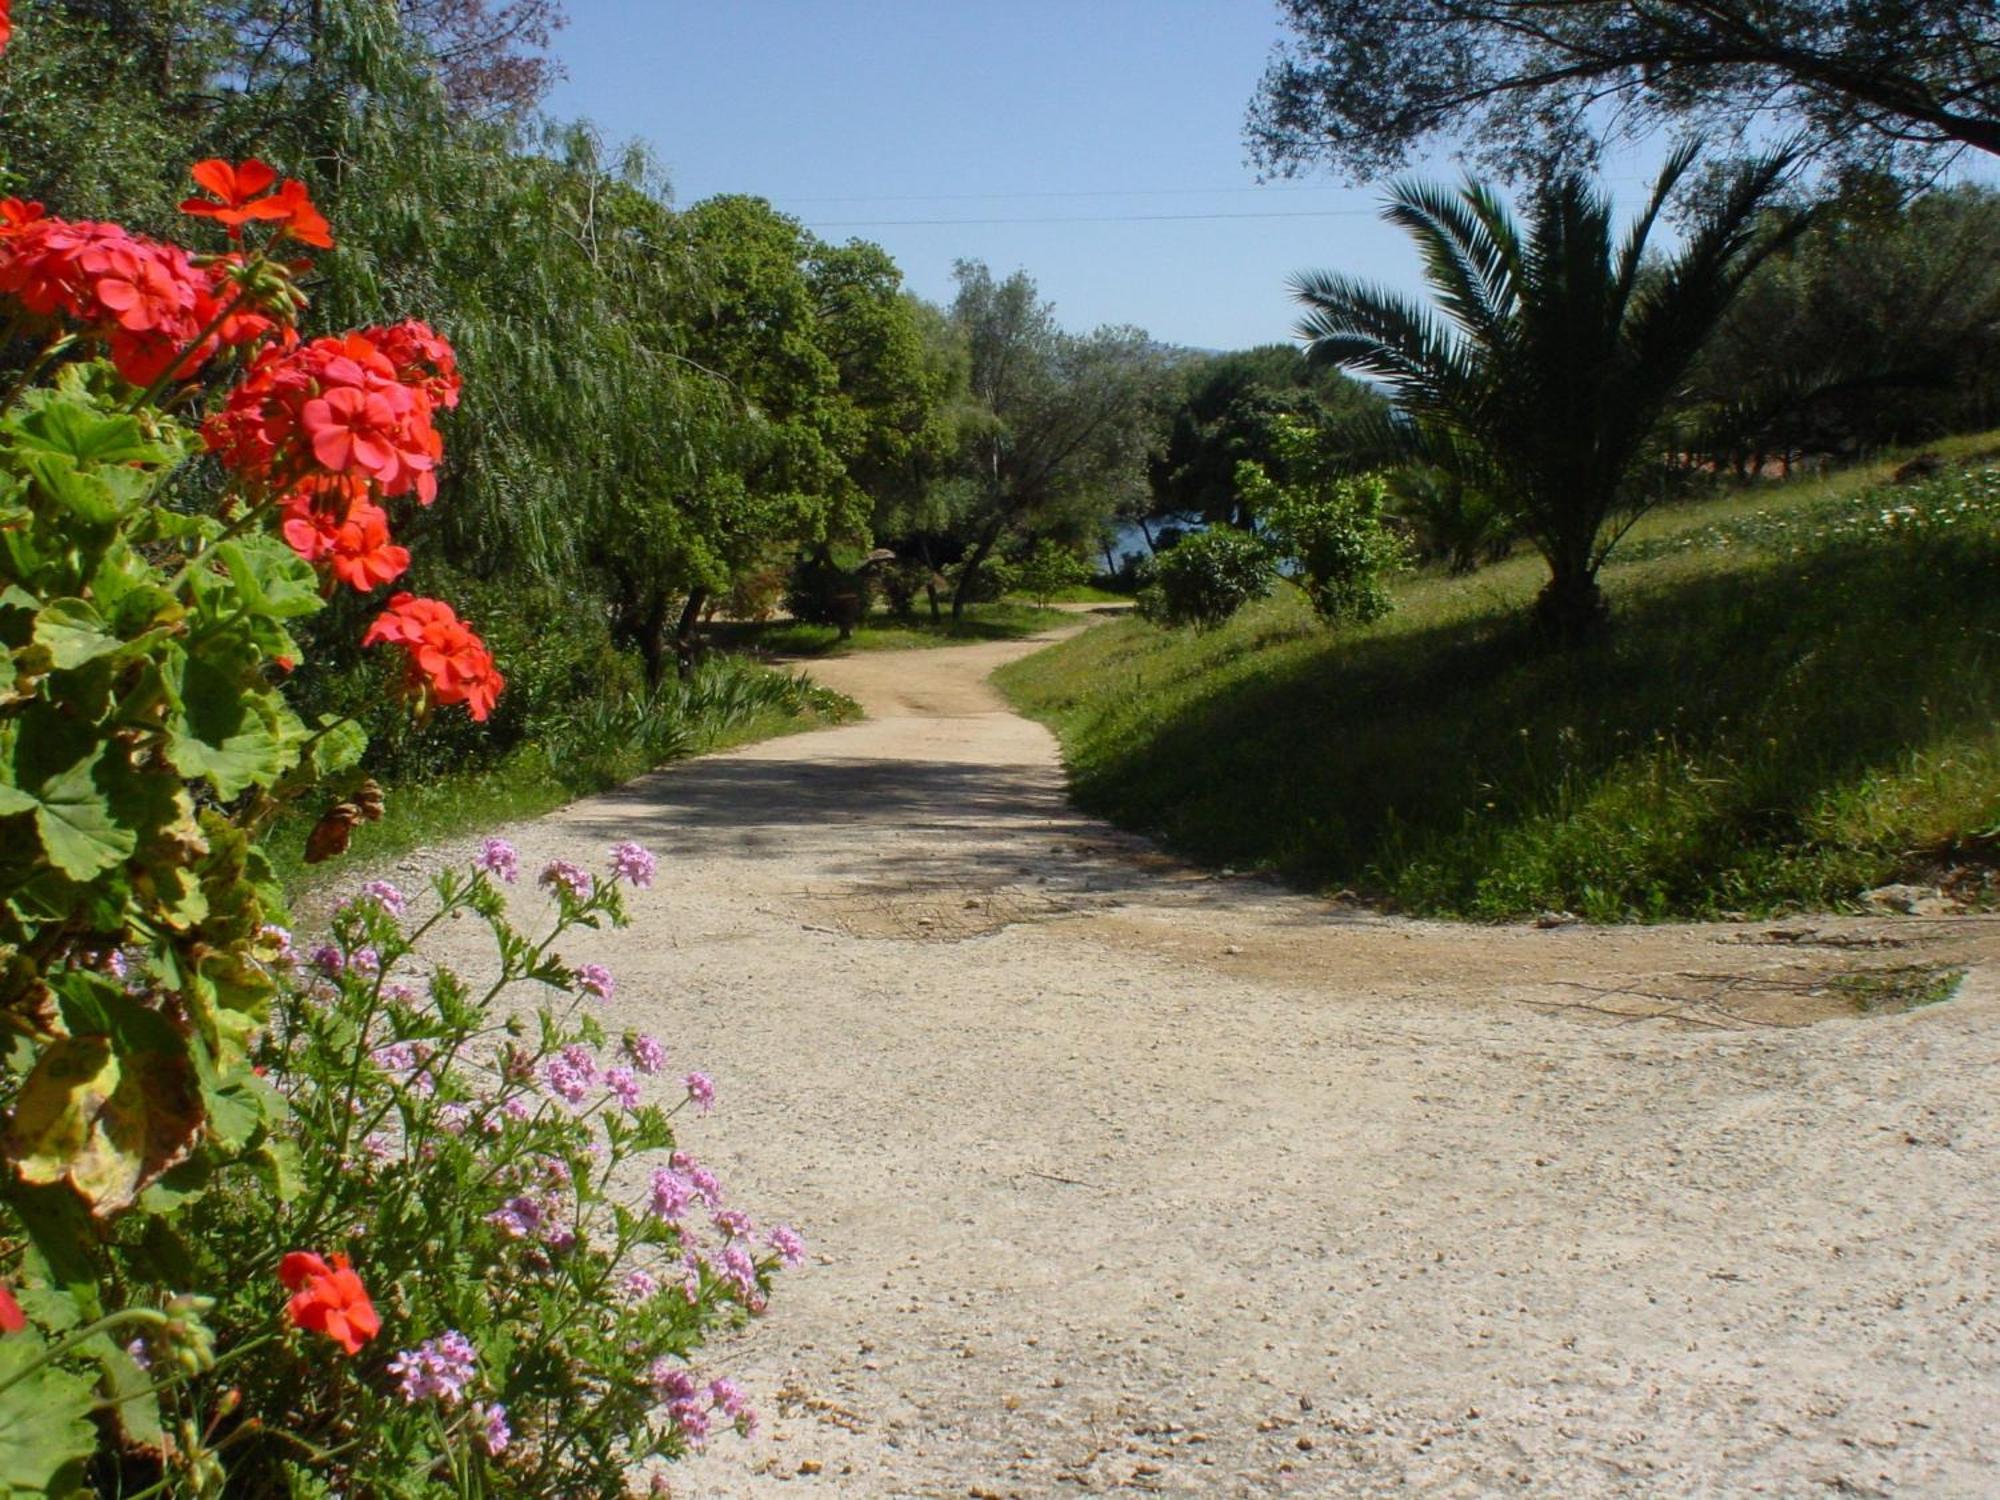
x: 1206, y: 578
x: 1450, y: 521
x: 139, y: 702
x: 821, y: 591
x: 1800, y: 704
x: 1880, y: 325
x: 1227, y: 411
x: 1565, y: 349
x: 1327, y: 525
x: 1048, y: 570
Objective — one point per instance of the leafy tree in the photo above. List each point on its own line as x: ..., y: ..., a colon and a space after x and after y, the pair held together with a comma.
x: 1563, y: 352
x: 1049, y: 568
x: 1063, y: 417
x: 1880, y: 325
x: 1227, y: 412
x: 1326, y: 524
x: 1205, y: 578
x: 1365, y: 85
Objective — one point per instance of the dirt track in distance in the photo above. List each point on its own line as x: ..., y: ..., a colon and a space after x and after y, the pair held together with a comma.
x: 1120, y: 1176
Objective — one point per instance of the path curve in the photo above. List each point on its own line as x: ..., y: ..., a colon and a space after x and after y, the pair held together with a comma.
x: 1119, y: 1176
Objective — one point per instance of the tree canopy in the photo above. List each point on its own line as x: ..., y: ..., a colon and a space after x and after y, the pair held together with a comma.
x: 1364, y: 85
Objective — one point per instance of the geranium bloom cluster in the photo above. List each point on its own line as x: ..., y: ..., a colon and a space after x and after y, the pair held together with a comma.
x: 329, y: 1299
x: 446, y: 662
x: 148, y: 302
x: 321, y: 431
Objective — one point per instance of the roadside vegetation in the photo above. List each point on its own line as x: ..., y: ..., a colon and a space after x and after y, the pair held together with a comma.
x: 881, y: 631
x: 1800, y: 701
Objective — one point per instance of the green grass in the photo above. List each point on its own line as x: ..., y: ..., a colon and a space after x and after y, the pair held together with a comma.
x: 604, y: 744
x: 1799, y: 698
x: 1078, y: 593
x: 883, y: 632
x: 1877, y: 992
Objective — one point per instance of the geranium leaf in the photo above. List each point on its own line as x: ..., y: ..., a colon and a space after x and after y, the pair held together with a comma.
x: 74, y: 633
x: 45, y: 1429
x: 74, y: 818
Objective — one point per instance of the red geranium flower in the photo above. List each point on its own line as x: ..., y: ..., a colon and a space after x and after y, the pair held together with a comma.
x: 6, y: 27
x: 448, y: 663
x: 235, y: 187
x: 349, y: 536
x: 17, y: 214
x: 300, y: 220
x: 12, y: 1319
x: 329, y: 1299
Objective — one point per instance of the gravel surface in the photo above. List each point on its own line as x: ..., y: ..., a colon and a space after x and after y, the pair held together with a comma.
x: 1120, y: 1176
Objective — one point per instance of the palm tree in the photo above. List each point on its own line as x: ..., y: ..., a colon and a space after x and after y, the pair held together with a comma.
x: 1557, y: 353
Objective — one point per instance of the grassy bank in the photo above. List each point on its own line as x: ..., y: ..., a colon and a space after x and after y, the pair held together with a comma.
x: 606, y: 742
x: 1799, y: 699
x: 881, y: 631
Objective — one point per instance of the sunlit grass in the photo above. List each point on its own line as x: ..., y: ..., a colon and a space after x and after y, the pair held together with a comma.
x: 1799, y: 698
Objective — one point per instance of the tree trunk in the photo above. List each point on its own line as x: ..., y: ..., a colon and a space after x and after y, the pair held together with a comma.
x: 652, y: 637
x: 969, y: 569
x: 1571, y: 608
x: 930, y: 581
x: 687, y: 646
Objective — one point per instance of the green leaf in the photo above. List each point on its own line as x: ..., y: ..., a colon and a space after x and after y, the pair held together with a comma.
x: 341, y: 745
x: 45, y: 1430
x: 74, y: 633
x: 278, y: 1162
x: 226, y: 731
x: 75, y: 430
x: 81, y: 836
x: 89, y: 497
x: 270, y: 578
x: 62, y: 1242
x: 129, y: 1387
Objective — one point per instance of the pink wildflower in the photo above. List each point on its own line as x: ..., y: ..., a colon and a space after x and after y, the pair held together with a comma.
x: 701, y: 1089
x: 647, y: 1055
x: 671, y: 1194
x: 623, y: 1086
x: 571, y: 877
x: 384, y: 895
x: 786, y: 1241
x: 494, y: 1431
x: 630, y: 861
x: 438, y: 1368
x: 595, y: 979
x: 498, y: 857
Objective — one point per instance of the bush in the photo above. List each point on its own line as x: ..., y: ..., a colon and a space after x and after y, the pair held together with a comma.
x: 822, y: 591
x: 210, y: 1147
x: 1451, y: 522
x: 1333, y: 534
x: 1050, y: 569
x: 1206, y: 578
x: 995, y: 580
x: 902, y: 582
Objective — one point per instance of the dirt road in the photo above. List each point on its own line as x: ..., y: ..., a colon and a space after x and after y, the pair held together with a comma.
x: 1118, y: 1176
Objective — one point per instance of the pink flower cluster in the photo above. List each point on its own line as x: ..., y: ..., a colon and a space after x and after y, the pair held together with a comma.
x: 693, y: 1407
x: 438, y: 1369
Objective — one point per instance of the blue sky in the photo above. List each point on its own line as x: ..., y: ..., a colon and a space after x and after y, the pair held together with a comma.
x: 861, y: 116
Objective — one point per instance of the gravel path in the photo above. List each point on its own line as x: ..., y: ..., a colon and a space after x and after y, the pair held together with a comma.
x: 1118, y: 1176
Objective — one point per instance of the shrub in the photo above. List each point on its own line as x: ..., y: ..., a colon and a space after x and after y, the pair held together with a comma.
x: 1331, y: 531
x: 208, y: 1146
x: 995, y: 579
x: 902, y: 581
x: 823, y: 590
x: 1050, y: 569
x: 1206, y: 578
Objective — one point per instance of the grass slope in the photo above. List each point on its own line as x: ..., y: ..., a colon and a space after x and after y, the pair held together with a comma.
x: 1799, y: 698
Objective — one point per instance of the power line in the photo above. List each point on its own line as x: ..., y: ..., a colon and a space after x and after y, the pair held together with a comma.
x: 1311, y: 213
x: 1061, y: 193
